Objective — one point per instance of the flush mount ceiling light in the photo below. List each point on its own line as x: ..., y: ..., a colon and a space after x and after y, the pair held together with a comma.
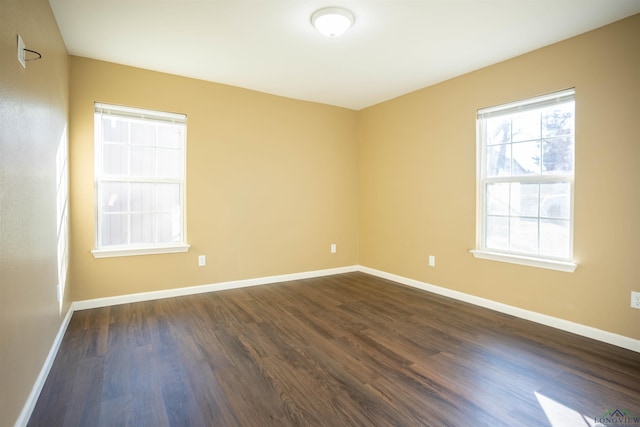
x: 332, y: 21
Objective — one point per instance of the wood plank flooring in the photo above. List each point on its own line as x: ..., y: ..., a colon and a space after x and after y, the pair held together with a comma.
x: 344, y: 350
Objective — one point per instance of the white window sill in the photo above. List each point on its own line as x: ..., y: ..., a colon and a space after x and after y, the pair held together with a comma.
x: 140, y: 250
x: 566, y: 266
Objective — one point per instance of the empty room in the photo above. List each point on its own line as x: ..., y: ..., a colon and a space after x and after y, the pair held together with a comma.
x: 304, y: 213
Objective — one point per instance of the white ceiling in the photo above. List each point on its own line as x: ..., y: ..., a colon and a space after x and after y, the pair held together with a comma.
x: 395, y: 46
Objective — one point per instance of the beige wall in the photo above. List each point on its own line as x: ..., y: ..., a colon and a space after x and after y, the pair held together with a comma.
x: 33, y: 116
x: 417, y: 181
x: 271, y: 182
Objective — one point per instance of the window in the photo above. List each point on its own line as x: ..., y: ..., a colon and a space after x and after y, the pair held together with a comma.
x: 525, y: 182
x: 140, y: 181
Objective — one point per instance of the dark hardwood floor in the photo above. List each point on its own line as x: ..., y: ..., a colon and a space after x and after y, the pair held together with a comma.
x: 345, y: 350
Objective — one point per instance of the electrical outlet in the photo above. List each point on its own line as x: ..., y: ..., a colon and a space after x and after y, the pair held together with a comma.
x: 202, y: 260
x: 635, y: 299
x: 333, y: 248
x: 432, y: 261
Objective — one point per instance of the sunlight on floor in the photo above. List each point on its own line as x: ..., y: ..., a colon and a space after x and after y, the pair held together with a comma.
x: 562, y: 416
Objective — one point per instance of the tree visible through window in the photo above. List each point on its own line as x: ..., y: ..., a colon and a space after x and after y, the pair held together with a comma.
x: 526, y: 176
x: 140, y: 174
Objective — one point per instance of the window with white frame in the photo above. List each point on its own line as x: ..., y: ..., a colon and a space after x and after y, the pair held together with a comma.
x: 140, y: 181
x: 526, y: 180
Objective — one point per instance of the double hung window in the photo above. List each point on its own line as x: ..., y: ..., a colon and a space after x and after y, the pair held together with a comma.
x: 140, y: 181
x: 526, y: 180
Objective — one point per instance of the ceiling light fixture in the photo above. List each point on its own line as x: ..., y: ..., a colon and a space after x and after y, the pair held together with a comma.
x: 332, y: 21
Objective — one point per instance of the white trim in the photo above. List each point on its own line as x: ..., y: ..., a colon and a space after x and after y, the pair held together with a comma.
x: 30, y: 404
x: 192, y: 290
x: 528, y: 104
x: 138, y: 113
x: 566, y: 266
x: 543, y: 319
x: 146, y: 250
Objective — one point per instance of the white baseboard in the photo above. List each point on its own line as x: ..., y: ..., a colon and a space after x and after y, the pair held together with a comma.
x: 554, y: 322
x: 200, y: 289
x: 30, y: 404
